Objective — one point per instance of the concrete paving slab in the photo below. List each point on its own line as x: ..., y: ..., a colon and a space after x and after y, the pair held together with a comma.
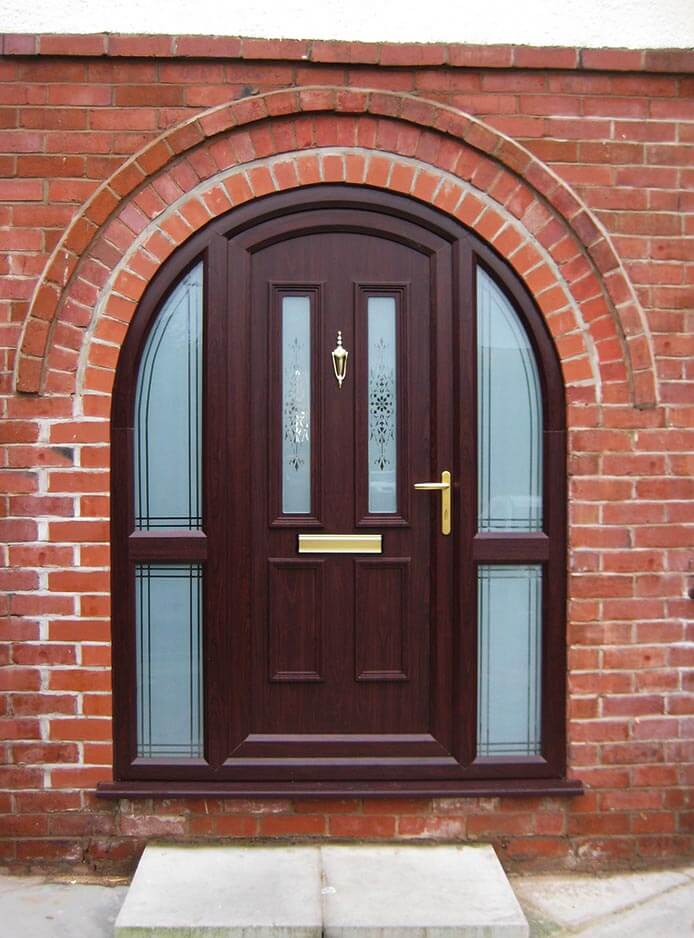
x: 374, y: 891
x: 669, y: 915
x: 572, y: 901
x: 338, y: 891
x: 33, y: 908
x: 223, y: 892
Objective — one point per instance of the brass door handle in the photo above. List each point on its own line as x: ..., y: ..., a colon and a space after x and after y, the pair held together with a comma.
x: 444, y: 486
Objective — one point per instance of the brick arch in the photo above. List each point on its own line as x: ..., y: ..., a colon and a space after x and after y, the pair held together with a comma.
x: 437, y: 154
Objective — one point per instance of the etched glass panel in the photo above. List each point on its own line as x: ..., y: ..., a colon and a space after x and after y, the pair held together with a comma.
x: 509, y: 660
x: 383, y: 494
x: 296, y: 405
x: 509, y: 417
x: 169, y: 671
x: 168, y: 417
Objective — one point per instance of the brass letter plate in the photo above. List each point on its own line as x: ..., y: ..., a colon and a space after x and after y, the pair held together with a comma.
x: 340, y: 543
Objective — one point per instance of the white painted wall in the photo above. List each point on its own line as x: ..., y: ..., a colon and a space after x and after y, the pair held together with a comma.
x: 593, y: 23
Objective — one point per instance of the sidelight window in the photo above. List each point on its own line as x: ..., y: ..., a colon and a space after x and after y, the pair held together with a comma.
x: 509, y: 487
x: 509, y: 420
x: 168, y: 414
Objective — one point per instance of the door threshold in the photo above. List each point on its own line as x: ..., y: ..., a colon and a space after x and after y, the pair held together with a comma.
x: 529, y: 788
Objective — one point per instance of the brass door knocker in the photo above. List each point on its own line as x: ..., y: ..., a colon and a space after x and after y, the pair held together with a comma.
x: 340, y: 354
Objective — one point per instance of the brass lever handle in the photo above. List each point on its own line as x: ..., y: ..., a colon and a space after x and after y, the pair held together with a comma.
x: 444, y: 486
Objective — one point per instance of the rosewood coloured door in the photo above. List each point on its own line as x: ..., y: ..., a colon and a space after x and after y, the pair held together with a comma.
x: 394, y: 654
x: 337, y: 578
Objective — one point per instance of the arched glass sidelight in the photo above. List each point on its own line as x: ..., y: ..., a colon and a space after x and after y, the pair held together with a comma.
x: 168, y: 413
x: 509, y: 417
x: 168, y: 495
x: 509, y: 490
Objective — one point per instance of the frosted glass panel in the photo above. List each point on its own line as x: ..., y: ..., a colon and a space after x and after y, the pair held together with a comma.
x: 296, y: 405
x: 383, y: 495
x: 509, y: 660
x: 168, y: 418
x: 509, y: 417
x: 169, y: 680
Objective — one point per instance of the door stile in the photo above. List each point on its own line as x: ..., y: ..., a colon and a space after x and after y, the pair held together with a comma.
x: 123, y: 603
x: 442, y: 645
x: 464, y: 704
x: 554, y: 652
x: 236, y: 487
x: 216, y: 463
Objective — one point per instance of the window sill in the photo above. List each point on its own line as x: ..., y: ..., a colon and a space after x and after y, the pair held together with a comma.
x: 523, y: 788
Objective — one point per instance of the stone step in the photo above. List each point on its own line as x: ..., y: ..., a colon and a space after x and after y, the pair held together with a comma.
x: 365, y: 891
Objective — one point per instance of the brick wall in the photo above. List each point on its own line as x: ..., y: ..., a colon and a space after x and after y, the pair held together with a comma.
x: 102, y: 142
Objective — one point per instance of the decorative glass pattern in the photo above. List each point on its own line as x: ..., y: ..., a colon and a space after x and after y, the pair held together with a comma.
x: 168, y: 417
x: 509, y: 660
x: 509, y: 417
x: 296, y: 405
x: 169, y: 671
x: 382, y: 450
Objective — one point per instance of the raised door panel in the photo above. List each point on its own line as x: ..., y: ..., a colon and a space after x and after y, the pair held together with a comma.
x: 383, y: 623
x: 295, y: 620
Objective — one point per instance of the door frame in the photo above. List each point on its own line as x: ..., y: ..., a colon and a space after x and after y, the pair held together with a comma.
x: 468, y: 548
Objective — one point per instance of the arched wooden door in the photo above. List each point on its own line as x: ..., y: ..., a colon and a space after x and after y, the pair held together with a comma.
x: 372, y: 531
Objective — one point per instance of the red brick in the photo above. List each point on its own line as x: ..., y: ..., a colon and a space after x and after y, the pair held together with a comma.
x: 292, y: 825
x: 75, y: 481
x: 526, y: 57
x: 43, y: 704
x: 545, y: 848
x: 437, y: 828
x: 235, y: 826
x: 80, y: 729
x: 140, y: 45
x: 154, y: 95
x: 43, y: 655
x: 39, y: 753
x: 134, y: 826
x: 370, y: 827
x: 76, y: 581
x: 19, y: 729
x: 612, y: 59
x: 97, y: 705
x: 46, y: 801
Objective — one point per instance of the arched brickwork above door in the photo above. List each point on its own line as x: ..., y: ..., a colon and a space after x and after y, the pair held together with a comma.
x: 281, y: 140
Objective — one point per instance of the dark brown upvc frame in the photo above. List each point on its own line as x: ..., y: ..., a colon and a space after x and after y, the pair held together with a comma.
x: 528, y: 775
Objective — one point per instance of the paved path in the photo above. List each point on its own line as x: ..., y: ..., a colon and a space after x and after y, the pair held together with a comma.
x: 657, y: 904
x: 32, y: 907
